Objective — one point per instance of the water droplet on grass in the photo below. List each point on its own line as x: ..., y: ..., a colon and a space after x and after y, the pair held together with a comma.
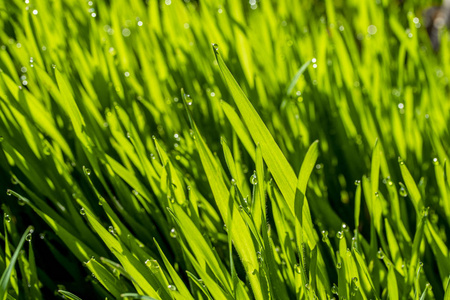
x: 334, y: 289
x: 171, y: 286
x: 7, y: 218
x: 153, y: 265
x: 402, y: 191
x: 254, y: 179
x: 298, y: 269
x: 345, y: 227
x: 87, y: 171
x: 8, y: 192
x: 324, y: 236
x: 126, y: 32
x: 340, y: 235
x: 357, y: 182
x: 173, y: 233
x: 82, y: 212
x: 372, y: 29
x: 380, y: 254
x: 435, y: 161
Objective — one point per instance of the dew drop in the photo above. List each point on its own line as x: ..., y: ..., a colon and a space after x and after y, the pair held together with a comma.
x: 126, y: 32
x: 380, y: 254
x: 435, y: 161
x: 298, y: 269
x: 28, y: 237
x: 259, y: 256
x: 372, y: 29
x: 345, y: 227
x: 348, y: 252
x: 87, y: 171
x: 425, y: 212
x: 111, y: 230
x: 201, y: 282
x: 7, y: 217
x: 82, y: 212
x: 8, y: 192
x: 339, y: 235
x: 324, y: 236
x: 171, y: 286
x: 215, y: 47
x: 152, y: 264
x: 173, y: 233
x: 403, y: 191
x: 20, y: 201
x: 357, y: 182
x: 254, y: 179
x: 334, y: 289
x: 338, y: 265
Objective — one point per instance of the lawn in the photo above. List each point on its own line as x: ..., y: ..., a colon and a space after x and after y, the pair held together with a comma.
x: 223, y: 150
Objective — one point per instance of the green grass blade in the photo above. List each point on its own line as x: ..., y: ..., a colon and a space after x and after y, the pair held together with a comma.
x: 4, y: 280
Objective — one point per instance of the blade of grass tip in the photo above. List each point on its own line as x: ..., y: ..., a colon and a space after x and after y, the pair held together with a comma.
x: 447, y: 289
x: 301, y: 203
x: 108, y: 280
x: 199, y: 283
x: 411, y: 186
x: 4, y: 280
x: 240, y: 233
x: 69, y: 295
x: 276, y: 161
x: 424, y: 294
x: 297, y: 77
x: 173, y: 274
x: 199, y: 245
x: 392, y: 284
x: 418, y: 238
x: 136, y: 296
x: 34, y: 281
x: 69, y: 104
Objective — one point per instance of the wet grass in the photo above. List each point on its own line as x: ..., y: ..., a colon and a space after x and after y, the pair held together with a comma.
x: 303, y: 155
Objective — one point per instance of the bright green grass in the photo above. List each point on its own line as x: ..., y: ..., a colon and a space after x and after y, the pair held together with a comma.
x: 154, y: 165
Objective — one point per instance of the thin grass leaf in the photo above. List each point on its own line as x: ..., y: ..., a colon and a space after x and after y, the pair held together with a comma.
x: 4, y: 280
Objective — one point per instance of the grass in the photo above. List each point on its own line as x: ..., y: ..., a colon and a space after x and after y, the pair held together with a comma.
x: 303, y: 155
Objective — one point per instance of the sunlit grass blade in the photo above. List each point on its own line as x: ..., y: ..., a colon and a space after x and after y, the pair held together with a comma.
x: 4, y: 280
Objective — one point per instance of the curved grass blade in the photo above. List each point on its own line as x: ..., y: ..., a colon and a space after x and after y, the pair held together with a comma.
x: 4, y: 280
x: 273, y: 156
x: 297, y: 77
x: 136, y: 296
x: 69, y: 295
